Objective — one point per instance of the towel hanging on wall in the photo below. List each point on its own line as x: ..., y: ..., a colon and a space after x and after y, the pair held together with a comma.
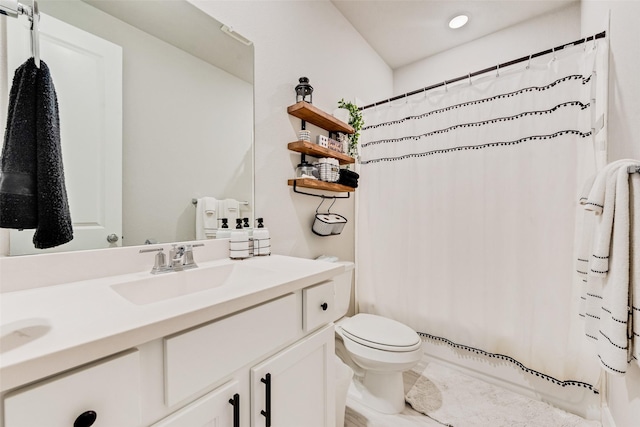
x: 32, y: 186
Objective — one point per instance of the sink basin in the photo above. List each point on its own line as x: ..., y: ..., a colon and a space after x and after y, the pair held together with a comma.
x: 165, y: 286
x: 18, y: 333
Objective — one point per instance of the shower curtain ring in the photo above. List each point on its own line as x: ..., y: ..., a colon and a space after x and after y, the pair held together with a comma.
x: 498, y: 70
x: 446, y: 88
x: 529, y: 62
x: 553, y: 49
x: 470, y: 79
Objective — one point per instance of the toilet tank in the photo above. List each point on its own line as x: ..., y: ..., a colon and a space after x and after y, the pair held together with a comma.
x: 343, y: 284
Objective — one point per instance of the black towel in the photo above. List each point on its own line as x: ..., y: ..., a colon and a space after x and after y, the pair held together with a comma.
x: 32, y: 188
x: 348, y: 178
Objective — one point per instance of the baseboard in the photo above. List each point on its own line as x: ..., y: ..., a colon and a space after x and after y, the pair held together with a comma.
x: 607, y: 418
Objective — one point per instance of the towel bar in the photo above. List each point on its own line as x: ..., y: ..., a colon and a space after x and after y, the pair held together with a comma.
x: 633, y: 169
x: 195, y: 202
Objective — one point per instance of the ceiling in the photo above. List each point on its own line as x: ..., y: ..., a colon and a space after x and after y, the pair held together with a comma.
x: 404, y: 31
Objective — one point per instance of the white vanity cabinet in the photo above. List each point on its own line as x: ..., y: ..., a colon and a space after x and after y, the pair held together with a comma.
x: 267, y: 362
x: 205, y: 355
x: 295, y: 387
x: 291, y: 388
x: 220, y: 407
x: 105, y: 394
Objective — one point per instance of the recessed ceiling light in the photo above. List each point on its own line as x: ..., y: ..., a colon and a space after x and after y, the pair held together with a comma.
x: 458, y: 21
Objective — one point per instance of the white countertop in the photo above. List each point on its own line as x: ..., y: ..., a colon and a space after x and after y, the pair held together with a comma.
x: 54, y: 328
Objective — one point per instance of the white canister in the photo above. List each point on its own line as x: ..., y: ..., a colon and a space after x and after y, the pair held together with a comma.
x: 261, y: 239
x: 239, y: 244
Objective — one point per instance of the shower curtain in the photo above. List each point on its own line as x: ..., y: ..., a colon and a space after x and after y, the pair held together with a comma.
x: 467, y: 210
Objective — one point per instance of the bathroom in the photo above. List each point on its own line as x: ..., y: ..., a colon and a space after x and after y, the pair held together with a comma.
x: 312, y: 38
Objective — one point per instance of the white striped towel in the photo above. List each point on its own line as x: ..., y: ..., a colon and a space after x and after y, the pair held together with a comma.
x: 613, y: 280
x: 613, y: 345
x: 595, y: 199
x: 634, y: 257
x: 602, y: 199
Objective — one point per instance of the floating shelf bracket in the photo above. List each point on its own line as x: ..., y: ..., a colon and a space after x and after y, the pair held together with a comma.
x: 295, y: 190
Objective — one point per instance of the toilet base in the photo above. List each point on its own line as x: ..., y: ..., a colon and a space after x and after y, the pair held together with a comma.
x: 381, y: 391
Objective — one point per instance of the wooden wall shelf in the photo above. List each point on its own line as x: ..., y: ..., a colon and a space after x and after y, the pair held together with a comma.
x: 321, y: 185
x: 309, y: 113
x: 315, y: 150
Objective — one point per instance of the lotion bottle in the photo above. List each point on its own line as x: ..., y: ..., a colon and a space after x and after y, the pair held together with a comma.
x: 224, y: 232
x: 239, y: 242
x: 261, y: 239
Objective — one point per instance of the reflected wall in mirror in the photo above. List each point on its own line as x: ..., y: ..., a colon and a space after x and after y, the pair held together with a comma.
x: 186, y: 118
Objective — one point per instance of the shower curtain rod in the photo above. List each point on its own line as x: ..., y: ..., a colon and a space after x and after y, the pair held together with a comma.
x: 486, y: 70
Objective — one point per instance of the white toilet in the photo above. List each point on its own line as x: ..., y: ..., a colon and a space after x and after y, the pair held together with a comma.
x: 376, y: 348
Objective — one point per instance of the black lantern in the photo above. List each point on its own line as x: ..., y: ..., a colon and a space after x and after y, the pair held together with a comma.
x: 304, y: 91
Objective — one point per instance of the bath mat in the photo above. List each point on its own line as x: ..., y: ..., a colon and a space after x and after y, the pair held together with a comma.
x: 456, y: 400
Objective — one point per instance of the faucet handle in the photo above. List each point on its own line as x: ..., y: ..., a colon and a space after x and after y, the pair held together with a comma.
x: 188, y: 256
x: 160, y: 260
x: 160, y: 263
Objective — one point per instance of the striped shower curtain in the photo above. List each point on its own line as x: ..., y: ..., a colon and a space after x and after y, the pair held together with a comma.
x: 467, y: 210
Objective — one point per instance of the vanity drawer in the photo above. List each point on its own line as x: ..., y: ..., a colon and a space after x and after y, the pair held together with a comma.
x: 111, y: 389
x: 318, y: 306
x: 200, y: 357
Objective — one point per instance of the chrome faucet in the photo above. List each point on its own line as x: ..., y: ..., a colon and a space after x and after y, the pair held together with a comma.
x: 180, y: 258
x: 175, y: 257
x: 188, y: 261
x: 160, y: 265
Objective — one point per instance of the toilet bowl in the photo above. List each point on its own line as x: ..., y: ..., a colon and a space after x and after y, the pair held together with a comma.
x: 378, y: 350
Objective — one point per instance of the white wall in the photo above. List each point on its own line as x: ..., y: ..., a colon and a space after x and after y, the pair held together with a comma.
x: 624, y: 142
x: 294, y: 39
x: 549, y: 30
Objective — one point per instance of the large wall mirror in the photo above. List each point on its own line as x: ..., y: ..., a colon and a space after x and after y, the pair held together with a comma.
x: 184, y: 114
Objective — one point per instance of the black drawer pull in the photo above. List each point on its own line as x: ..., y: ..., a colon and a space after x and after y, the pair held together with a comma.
x: 235, y: 402
x: 324, y: 306
x: 267, y: 400
x: 86, y: 419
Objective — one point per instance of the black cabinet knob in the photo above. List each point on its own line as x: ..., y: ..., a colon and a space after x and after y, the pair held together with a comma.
x: 86, y: 419
x: 324, y: 306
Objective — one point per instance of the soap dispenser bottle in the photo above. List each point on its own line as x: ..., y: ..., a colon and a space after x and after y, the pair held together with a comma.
x: 224, y: 232
x: 239, y: 242
x: 261, y: 239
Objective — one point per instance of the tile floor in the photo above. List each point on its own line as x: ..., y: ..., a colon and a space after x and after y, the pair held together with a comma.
x: 358, y: 415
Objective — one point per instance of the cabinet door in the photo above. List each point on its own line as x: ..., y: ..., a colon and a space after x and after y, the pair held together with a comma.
x: 108, y: 392
x: 221, y: 407
x: 296, y: 386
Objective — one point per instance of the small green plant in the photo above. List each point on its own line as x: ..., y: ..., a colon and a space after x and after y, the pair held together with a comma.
x: 356, y: 122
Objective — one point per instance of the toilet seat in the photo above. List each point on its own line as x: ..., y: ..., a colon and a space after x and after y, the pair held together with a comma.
x: 380, y: 333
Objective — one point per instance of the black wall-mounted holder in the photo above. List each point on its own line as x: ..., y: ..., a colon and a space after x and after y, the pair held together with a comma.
x: 323, y: 196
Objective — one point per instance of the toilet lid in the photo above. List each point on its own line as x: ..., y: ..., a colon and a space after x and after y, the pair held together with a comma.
x: 380, y: 332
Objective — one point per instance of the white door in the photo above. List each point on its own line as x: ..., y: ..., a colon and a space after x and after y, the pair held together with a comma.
x: 87, y: 74
x: 296, y: 386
